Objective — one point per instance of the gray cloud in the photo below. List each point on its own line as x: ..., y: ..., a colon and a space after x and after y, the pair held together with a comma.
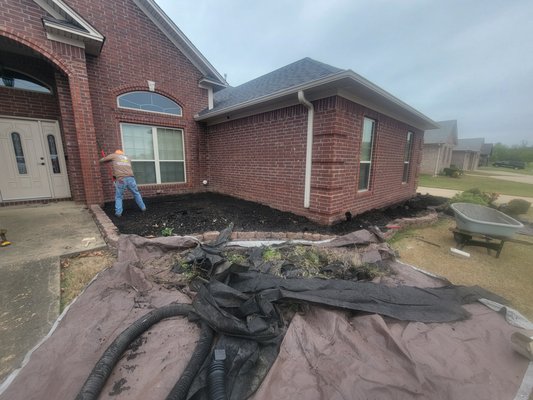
x: 453, y: 59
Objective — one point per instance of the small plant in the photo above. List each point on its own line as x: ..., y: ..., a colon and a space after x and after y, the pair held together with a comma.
x: 235, y: 257
x: 517, y: 207
x: 167, y: 231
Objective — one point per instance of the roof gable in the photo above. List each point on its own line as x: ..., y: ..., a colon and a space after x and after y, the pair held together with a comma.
x: 67, y: 26
x: 446, y: 134
x: 280, y: 89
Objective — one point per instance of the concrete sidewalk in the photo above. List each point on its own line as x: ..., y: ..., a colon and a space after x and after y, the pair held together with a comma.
x: 449, y: 193
x: 29, y: 271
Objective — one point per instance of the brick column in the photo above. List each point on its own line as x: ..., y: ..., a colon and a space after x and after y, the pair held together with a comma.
x: 85, y: 133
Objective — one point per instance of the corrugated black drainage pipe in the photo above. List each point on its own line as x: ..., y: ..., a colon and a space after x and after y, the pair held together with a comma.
x: 201, y: 351
x: 101, y: 371
x: 216, y: 376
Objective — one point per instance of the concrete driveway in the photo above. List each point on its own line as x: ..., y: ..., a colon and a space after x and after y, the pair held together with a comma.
x: 29, y: 271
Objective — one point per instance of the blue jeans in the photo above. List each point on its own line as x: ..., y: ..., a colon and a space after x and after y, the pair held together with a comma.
x: 120, y: 186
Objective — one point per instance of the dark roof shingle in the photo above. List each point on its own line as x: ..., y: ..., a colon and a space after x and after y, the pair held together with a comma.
x: 297, y: 73
x: 473, y: 144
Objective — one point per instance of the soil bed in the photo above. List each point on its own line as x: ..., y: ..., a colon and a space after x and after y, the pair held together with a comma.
x: 204, y: 212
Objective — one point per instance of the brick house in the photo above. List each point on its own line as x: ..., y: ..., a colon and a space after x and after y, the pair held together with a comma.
x: 467, y: 153
x: 438, y: 147
x: 83, y: 78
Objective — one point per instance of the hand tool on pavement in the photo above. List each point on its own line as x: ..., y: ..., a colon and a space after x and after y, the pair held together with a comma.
x: 3, y: 240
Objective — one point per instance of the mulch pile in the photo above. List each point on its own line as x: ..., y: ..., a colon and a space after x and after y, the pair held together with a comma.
x: 204, y: 212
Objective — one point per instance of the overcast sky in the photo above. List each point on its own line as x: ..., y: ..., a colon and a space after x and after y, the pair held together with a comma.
x: 469, y: 60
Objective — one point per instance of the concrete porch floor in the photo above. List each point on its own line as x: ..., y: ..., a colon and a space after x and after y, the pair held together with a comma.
x: 29, y: 271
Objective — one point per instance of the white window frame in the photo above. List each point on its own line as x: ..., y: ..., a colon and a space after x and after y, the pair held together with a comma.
x: 407, y: 157
x: 149, y: 111
x: 372, y: 140
x: 156, y: 159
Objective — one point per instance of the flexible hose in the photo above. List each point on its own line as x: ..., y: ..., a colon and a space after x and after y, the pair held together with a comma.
x: 216, y: 379
x: 101, y: 371
x: 203, y: 347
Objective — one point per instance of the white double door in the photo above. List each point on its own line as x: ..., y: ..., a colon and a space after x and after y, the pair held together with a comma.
x: 32, y: 162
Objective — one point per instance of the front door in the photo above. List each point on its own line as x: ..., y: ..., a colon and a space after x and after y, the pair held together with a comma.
x: 26, y: 163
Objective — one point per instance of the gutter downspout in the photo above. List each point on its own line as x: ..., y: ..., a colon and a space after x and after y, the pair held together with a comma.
x: 309, y: 147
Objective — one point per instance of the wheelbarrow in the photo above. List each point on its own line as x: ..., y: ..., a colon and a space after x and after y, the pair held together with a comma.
x: 476, y: 222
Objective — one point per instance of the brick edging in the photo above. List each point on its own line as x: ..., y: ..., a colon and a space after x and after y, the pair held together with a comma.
x: 111, y: 233
x: 108, y: 229
x: 404, y: 223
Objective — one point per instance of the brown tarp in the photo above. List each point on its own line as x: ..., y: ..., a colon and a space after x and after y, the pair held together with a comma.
x: 325, y: 354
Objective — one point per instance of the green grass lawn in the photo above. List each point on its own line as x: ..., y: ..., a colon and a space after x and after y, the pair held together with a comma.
x: 483, y: 183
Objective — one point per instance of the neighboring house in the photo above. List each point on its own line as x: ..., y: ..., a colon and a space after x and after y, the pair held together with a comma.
x: 466, y: 155
x: 438, y: 146
x: 89, y: 77
x: 485, y: 154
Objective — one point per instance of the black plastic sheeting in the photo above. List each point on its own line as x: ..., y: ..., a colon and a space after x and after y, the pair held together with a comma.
x: 244, y: 306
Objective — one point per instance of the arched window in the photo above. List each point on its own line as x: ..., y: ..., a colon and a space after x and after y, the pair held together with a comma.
x: 149, y: 102
x: 18, y: 80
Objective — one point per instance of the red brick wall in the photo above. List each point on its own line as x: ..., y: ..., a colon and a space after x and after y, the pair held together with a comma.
x: 21, y: 103
x: 134, y: 52
x: 386, y: 185
x: 262, y: 158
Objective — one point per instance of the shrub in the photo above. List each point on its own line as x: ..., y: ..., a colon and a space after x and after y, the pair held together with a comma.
x: 474, y: 196
x: 468, y: 197
x: 453, y: 172
x: 517, y: 206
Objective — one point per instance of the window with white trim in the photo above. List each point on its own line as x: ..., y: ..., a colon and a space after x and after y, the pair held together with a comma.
x: 157, y: 154
x: 407, y: 157
x: 149, y: 102
x: 365, y: 159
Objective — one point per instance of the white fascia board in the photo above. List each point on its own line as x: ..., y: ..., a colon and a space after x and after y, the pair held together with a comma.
x: 386, y: 95
x: 272, y: 96
x: 212, y: 82
x: 63, y: 39
x: 427, y: 123
x: 177, y: 37
x: 417, y: 121
x: 58, y: 9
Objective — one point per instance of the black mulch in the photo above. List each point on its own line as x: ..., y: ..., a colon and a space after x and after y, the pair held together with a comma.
x: 203, y: 212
